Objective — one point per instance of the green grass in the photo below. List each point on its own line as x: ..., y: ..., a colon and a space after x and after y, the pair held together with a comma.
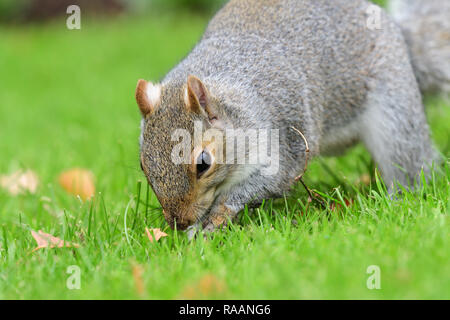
x: 66, y: 100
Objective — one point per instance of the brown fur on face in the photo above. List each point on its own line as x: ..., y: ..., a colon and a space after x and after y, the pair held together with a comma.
x: 184, y: 198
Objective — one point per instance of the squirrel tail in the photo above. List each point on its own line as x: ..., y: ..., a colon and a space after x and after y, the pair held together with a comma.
x: 426, y: 27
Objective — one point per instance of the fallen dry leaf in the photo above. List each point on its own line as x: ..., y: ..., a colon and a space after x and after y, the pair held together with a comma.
x: 20, y: 182
x: 79, y: 182
x: 155, y: 232
x: 364, y: 179
x: 45, y: 240
x: 138, y: 271
x: 208, y: 286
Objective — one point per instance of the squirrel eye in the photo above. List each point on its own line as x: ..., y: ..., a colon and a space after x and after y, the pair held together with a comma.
x: 203, y: 163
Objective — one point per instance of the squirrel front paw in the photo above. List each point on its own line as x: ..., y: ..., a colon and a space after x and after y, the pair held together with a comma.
x: 219, y: 217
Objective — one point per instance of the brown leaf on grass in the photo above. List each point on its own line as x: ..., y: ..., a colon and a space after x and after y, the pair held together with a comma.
x: 157, y: 233
x: 20, y: 182
x: 209, y: 286
x: 137, y: 277
x: 45, y: 240
x: 79, y: 182
x: 364, y: 179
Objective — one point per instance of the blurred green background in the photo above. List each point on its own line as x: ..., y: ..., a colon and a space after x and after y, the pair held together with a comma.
x: 26, y: 10
x: 19, y: 11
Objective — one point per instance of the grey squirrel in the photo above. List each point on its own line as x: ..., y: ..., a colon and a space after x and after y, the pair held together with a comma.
x: 312, y: 67
x: 426, y: 28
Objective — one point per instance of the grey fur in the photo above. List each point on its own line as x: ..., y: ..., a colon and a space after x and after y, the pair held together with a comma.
x: 316, y: 66
x: 426, y: 27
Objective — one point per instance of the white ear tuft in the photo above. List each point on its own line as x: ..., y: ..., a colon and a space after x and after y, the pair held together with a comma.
x: 148, y: 96
x: 186, y: 98
x: 154, y: 93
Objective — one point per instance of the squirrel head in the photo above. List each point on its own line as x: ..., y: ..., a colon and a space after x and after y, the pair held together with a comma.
x: 185, y: 190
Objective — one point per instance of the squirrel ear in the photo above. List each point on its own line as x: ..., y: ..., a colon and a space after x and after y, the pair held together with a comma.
x: 197, y: 94
x: 147, y: 96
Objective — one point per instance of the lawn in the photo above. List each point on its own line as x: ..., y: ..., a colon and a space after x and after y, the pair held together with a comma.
x: 67, y: 100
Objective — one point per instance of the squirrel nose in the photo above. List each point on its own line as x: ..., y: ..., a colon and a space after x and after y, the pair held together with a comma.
x: 181, y: 223
x: 182, y: 226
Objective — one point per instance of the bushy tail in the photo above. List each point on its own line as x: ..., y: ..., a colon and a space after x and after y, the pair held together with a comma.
x: 426, y: 27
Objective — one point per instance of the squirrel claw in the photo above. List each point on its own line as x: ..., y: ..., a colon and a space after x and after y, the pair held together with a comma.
x: 210, y: 227
x: 220, y: 220
x: 192, y: 231
x: 215, y: 222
